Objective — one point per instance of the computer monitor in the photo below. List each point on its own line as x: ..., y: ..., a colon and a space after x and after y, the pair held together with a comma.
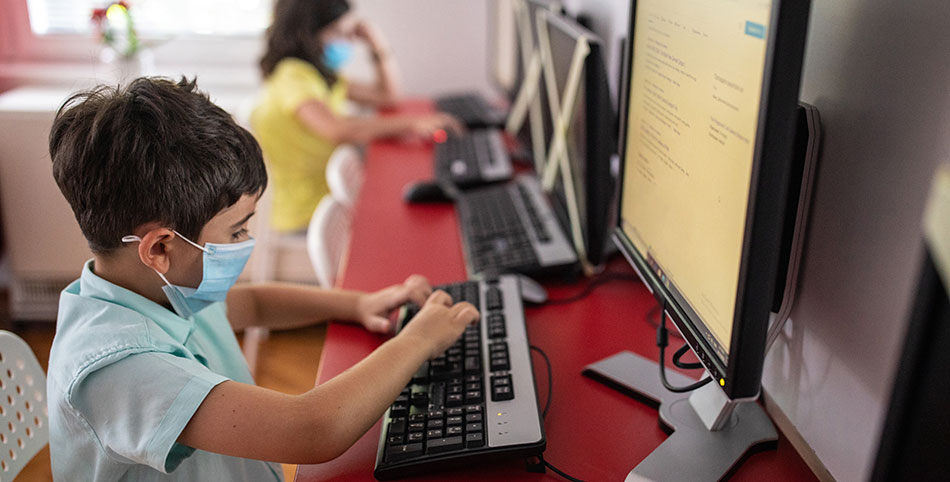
x: 590, y: 136
x: 536, y: 126
x: 504, y: 52
x: 706, y: 140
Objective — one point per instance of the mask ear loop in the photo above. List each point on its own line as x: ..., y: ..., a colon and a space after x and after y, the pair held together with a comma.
x: 131, y: 238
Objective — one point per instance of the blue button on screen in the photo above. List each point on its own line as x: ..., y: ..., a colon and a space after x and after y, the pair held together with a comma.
x: 753, y: 29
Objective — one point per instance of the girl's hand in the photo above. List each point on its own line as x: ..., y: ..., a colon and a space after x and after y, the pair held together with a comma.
x: 373, y: 309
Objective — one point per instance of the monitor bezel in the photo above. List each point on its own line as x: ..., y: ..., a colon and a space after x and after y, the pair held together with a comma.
x: 740, y: 373
x: 599, y: 117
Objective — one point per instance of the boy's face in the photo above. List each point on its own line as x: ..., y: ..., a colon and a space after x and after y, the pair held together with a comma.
x: 227, y: 227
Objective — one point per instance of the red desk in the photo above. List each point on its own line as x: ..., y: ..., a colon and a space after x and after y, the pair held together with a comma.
x: 593, y: 432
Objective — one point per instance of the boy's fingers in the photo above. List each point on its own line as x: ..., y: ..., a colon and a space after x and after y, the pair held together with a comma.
x: 465, y: 311
x: 439, y: 297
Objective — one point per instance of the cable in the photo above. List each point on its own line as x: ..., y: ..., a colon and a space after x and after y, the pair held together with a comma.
x: 557, y: 470
x: 602, y: 279
x: 662, y: 339
x: 547, y: 404
x: 684, y: 365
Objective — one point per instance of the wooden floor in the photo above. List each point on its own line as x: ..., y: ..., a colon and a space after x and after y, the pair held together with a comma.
x: 288, y: 363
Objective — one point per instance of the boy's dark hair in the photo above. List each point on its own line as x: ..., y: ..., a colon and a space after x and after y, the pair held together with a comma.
x: 155, y: 150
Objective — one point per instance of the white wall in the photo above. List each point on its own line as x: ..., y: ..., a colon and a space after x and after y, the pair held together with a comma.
x: 440, y: 45
x: 879, y: 72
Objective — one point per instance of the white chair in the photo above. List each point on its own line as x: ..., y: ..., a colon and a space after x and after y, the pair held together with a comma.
x: 345, y: 174
x: 328, y: 238
x: 24, y: 417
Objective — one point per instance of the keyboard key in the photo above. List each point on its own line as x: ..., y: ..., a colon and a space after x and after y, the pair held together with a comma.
x: 473, y: 417
x: 402, y: 452
x: 398, y: 439
x: 417, y: 427
x: 436, y: 433
x: 474, y: 396
x: 397, y: 426
x: 456, y: 420
x: 473, y: 409
x: 417, y: 417
x: 452, y: 412
x: 472, y: 364
x: 453, y: 430
x: 473, y: 386
x: 434, y: 424
x: 453, y: 400
x: 415, y: 437
x: 442, y: 445
x: 398, y: 410
x: 436, y: 414
x: 420, y: 399
x: 474, y: 440
x: 473, y: 427
x: 502, y: 393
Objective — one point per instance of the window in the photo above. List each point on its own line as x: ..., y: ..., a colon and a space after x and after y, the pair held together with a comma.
x: 156, y: 18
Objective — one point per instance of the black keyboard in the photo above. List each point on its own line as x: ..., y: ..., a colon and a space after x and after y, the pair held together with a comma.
x: 477, y: 157
x: 506, y: 229
x: 475, y: 402
x: 472, y: 109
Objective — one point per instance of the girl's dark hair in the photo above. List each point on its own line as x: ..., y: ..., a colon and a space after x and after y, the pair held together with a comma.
x: 155, y: 150
x: 294, y: 33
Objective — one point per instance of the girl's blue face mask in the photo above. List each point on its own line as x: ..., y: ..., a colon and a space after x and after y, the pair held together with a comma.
x: 222, y: 265
x: 336, y: 54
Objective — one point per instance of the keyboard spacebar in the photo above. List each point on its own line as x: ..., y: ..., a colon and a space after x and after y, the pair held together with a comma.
x: 441, y: 445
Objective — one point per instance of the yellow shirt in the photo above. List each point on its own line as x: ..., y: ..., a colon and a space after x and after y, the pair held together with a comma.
x: 296, y: 157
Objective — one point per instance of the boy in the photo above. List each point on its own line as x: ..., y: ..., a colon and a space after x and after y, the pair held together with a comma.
x: 146, y: 379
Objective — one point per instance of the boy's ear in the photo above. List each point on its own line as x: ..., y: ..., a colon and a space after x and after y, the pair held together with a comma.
x: 153, y: 249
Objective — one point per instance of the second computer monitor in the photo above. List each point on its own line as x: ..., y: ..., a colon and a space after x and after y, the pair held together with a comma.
x: 590, y: 136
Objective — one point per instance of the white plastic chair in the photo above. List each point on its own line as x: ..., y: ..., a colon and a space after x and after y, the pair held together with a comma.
x: 24, y: 417
x: 328, y: 238
x: 345, y: 174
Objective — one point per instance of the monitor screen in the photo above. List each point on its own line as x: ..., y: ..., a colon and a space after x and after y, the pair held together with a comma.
x: 547, y: 124
x: 503, y: 48
x: 693, y: 113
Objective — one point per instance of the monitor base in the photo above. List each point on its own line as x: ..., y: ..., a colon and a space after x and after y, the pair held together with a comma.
x: 692, y: 452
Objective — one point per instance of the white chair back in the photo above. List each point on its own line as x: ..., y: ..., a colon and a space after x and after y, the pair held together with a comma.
x: 345, y: 174
x: 24, y: 417
x: 328, y: 238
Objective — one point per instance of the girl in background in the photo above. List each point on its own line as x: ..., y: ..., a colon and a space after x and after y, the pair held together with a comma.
x: 299, y: 120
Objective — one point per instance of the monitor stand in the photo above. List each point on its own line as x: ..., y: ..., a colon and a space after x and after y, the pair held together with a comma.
x: 711, y: 434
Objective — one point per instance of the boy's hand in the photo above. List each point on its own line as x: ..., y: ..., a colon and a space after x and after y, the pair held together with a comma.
x: 440, y: 323
x: 373, y: 308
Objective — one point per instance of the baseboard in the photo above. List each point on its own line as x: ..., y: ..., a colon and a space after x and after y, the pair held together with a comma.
x: 795, y: 438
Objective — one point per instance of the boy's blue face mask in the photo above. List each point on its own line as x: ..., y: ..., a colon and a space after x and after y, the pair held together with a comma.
x: 336, y: 54
x: 222, y: 264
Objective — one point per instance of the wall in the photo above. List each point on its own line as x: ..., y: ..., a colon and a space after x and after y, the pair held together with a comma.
x: 879, y: 73
x: 440, y: 45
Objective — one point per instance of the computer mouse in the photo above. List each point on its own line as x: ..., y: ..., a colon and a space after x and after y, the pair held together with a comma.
x: 426, y: 192
x: 531, y: 291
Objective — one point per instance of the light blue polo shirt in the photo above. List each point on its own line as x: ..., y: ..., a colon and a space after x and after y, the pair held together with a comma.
x: 125, y: 376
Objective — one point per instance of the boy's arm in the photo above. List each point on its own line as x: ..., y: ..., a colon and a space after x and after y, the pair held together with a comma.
x: 252, y: 422
x: 284, y: 305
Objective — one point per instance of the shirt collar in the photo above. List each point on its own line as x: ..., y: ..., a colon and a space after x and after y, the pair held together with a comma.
x: 93, y: 286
